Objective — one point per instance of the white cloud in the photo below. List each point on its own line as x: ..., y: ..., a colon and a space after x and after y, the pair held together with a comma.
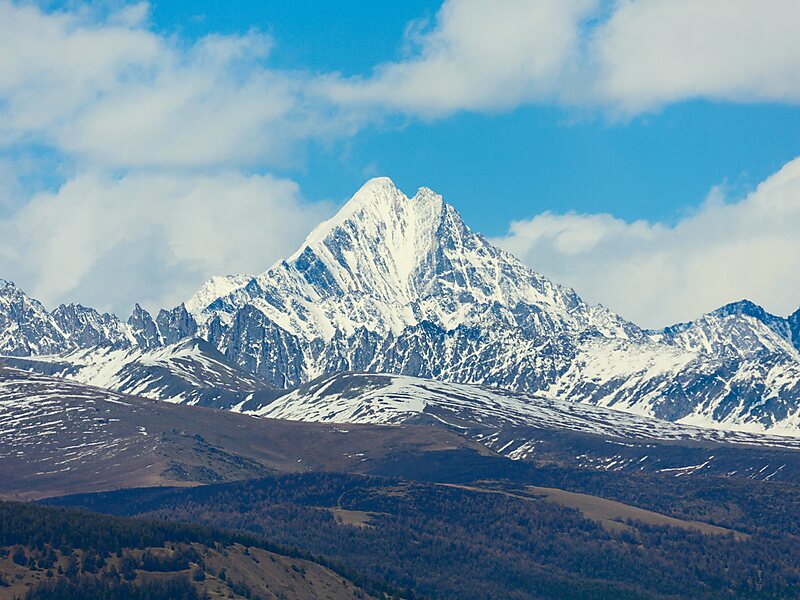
x: 108, y: 91
x: 656, y: 275
x: 150, y: 238
x: 112, y: 93
x: 655, y: 52
x: 626, y: 57
x: 52, y: 65
x: 478, y: 55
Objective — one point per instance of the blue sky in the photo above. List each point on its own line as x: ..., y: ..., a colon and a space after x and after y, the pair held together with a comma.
x: 593, y: 139
x: 349, y: 36
x: 524, y: 160
x: 533, y: 159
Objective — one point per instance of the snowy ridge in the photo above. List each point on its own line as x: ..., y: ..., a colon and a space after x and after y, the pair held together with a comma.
x: 85, y: 327
x: 187, y: 372
x: 738, y: 330
x: 529, y: 427
x: 758, y: 394
x: 394, y: 399
x: 27, y: 329
x: 216, y: 287
x: 25, y: 326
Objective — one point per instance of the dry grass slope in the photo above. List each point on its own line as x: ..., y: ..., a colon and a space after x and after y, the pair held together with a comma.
x: 265, y: 574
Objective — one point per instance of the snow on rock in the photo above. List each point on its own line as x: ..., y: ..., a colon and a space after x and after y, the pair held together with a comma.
x: 739, y: 330
x: 25, y: 326
x: 216, y: 287
x: 401, y: 285
x: 393, y: 399
x: 386, y: 262
x: 189, y: 372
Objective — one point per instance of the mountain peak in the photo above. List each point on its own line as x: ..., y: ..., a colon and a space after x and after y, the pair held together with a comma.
x: 741, y: 306
x: 747, y: 308
x: 382, y: 212
x: 216, y: 287
x: 378, y: 183
x: 378, y: 192
x: 424, y: 192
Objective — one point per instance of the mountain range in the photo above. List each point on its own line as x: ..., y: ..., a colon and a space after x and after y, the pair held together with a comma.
x: 402, y: 286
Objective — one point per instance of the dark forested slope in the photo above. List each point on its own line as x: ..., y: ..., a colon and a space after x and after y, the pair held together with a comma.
x: 490, y: 540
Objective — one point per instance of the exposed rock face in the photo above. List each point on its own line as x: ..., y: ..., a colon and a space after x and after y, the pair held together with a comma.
x: 175, y: 324
x: 143, y: 329
x: 260, y: 346
x: 25, y: 326
x: 86, y: 327
x: 794, y: 328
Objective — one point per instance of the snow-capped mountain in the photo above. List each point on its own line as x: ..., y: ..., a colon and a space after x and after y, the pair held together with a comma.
x: 387, y: 262
x: 755, y: 394
x: 28, y: 329
x: 392, y: 283
x: 85, y: 327
x: 167, y: 328
x: 401, y: 285
x: 25, y: 326
x: 190, y: 371
x: 738, y: 330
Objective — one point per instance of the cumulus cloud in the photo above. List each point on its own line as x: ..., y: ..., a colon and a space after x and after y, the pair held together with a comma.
x: 625, y: 57
x: 478, y: 55
x: 111, y: 92
x: 150, y: 238
x: 654, y: 52
x: 114, y: 94
x: 656, y: 275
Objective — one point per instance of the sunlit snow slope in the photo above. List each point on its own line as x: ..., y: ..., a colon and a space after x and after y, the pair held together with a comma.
x: 530, y: 427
